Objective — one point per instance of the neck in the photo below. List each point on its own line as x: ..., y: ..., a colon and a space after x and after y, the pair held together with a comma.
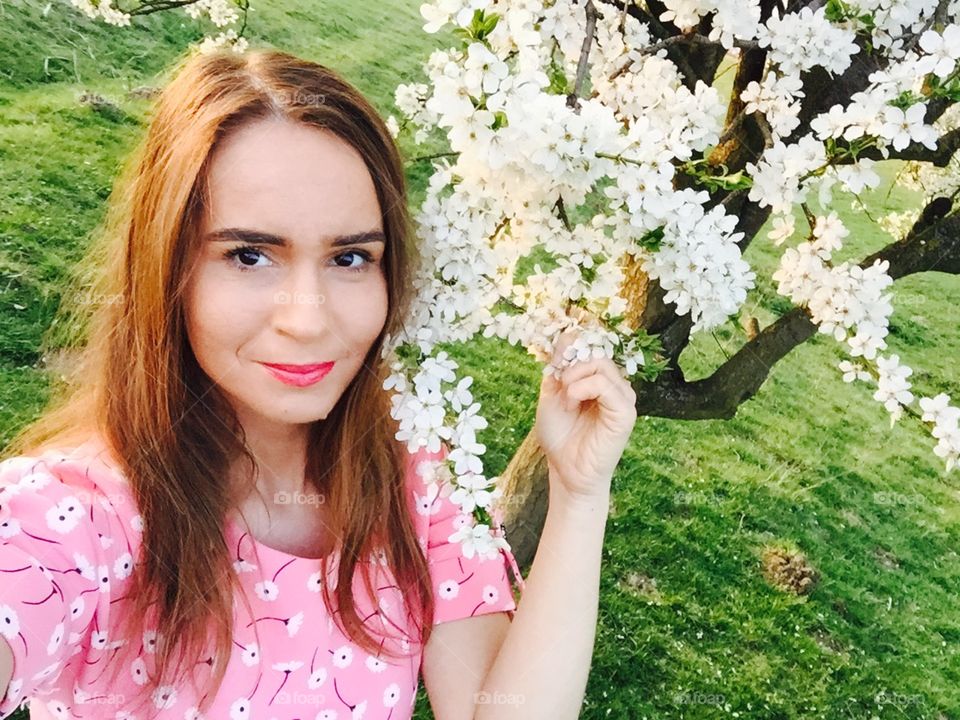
x: 280, y: 451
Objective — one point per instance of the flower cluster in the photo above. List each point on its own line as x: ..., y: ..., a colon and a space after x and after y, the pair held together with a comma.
x: 221, y: 13
x: 849, y: 303
x: 103, y: 10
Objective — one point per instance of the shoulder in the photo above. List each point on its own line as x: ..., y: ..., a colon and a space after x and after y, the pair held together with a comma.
x: 67, y: 488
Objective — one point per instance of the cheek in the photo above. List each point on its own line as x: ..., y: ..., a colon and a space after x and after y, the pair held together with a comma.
x: 360, y: 311
x: 217, y: 317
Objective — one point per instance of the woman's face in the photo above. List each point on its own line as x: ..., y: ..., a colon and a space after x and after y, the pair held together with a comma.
x: 289, y: 271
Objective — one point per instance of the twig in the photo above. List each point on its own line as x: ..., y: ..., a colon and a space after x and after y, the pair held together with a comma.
x: 573, y: 99
x: 421, y: 158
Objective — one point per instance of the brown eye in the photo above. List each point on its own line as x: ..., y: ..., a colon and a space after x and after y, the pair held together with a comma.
x: 244, y: 254
x: 368, y: 260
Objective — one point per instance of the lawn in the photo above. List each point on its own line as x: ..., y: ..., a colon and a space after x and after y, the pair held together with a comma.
x: 689, y: 628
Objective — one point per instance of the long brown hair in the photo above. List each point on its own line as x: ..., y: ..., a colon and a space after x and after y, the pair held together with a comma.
x: 171, y: 431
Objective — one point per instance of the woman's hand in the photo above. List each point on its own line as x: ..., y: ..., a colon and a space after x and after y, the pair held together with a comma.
x: 584, y: 421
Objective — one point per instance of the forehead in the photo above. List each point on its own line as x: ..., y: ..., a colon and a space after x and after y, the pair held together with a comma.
x: 289, y: 178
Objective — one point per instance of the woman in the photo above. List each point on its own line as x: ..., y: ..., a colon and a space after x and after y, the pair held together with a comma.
x: 227, y: 457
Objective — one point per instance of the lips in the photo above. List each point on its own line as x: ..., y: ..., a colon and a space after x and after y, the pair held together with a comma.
x: 300, y: 368
x: 298, y: 375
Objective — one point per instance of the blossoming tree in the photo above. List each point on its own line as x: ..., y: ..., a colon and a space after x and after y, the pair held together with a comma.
x: 590, y: 136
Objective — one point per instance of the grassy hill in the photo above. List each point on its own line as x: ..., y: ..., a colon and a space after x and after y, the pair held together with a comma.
x: 689, y: 627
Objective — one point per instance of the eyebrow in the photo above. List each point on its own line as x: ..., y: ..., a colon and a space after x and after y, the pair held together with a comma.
x: 257, y: 237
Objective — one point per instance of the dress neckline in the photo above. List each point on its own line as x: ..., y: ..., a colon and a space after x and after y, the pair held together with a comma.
x: 240, y: 531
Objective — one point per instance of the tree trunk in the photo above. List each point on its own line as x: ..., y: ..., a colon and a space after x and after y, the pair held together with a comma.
x: 525, y: 485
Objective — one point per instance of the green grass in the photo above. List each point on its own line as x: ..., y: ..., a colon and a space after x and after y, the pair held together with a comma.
x: 810, y: 462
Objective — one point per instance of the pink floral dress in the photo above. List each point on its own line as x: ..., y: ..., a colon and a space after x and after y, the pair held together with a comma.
x: 69, y: 538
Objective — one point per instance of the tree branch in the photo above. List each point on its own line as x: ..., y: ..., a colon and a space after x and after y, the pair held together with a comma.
x: 573, y: 99
x: 947, y: 146
x: 932, y: 245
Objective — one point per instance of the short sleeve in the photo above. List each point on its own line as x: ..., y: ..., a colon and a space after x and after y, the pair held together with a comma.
x: 463, y: 586
x: 53, y: 574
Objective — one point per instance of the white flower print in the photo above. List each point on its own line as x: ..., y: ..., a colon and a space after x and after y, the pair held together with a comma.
x: 391, y: 696
x: 449, y: 589
x: 14, y: 689
x: 315, y: 582
x: 490, y: 594
x: 47, y: 671
x: 150, y: 640
x: 375, y: 664
x: 138, y: 671
x: 58, y: 710
x: 34, y: 481
x: 9, y: 622
x: 317, y: 678
x: 123, y: 566
x: 327, y: 715
x: 9, y: 528
x: 289, y: 666
x: 242, y: 566
x: 85, y: 566
x: 136, y: 522
x: 250, y: 655
x: 294, y: 623
x: 103, y: 575
x: 426, y: 504
x: 359, y: 710
x: 240, y: 709
x: 343, y: 656
x: 98, y: 639
x: 65, y: 515
x: 164, y: 697
x: 56, y: 639
x: 77, y: 607
x: 267, y: 590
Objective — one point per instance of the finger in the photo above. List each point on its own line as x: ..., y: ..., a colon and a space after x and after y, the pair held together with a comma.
x: 604, y: 366
x: 595, y: 387
x: 550, y: 384
x: 583, y: 368
x: 612, y: 371
x: 565, y: 340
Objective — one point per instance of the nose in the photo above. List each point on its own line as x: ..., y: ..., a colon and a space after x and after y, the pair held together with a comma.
x: 300, y: 304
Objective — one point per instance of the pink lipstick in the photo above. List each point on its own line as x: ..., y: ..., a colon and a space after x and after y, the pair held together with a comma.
x: 298, y: 375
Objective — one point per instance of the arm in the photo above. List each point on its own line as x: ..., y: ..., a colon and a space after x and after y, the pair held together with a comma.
x: 6, y: 666
x: 457, y: 658
x: 542, y: 667
x: 585, y: 416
